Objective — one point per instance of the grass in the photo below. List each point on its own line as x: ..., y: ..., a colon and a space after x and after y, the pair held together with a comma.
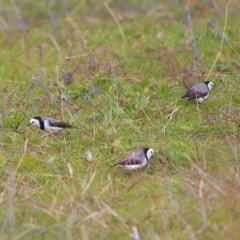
x: 133, y: 61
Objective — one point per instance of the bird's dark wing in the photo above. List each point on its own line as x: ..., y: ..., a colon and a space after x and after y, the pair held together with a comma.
x: 193, y: 94
x: 128, y: 161
x: 60, y: 124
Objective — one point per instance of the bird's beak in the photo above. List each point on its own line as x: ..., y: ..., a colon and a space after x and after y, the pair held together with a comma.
x: 29, y: 124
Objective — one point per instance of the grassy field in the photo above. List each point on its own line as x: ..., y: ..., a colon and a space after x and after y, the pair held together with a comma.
x: 130, y: 62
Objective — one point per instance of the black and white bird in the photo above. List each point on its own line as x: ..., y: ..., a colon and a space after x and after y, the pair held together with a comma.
x: 136, y: 159
x: 49, y: 124
x: 200, y: 92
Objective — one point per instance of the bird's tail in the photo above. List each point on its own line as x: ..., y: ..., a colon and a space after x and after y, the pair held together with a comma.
x: 184, y: 96
x: 113, y: 166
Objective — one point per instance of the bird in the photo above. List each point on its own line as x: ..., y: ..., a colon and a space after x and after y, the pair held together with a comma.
x: 49, y: 124
x: 136, y: 159
x: 69, y: 76
x: 200, y: 92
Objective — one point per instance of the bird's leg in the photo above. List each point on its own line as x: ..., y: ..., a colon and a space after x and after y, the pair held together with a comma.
x: 49, y: 131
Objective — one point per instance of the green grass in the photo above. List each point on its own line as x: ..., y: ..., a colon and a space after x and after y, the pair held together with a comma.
x: 60, y: 186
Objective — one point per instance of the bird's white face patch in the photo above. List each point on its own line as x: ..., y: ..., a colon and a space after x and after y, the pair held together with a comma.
x: 210, y: 85
x: 34, y: 122
x: 150, y: 152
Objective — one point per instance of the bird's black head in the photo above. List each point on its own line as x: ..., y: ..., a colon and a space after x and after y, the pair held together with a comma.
x: 209, y: 84
x: 37, y: 121
x: 148, y: 152
x: 38, y: 118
